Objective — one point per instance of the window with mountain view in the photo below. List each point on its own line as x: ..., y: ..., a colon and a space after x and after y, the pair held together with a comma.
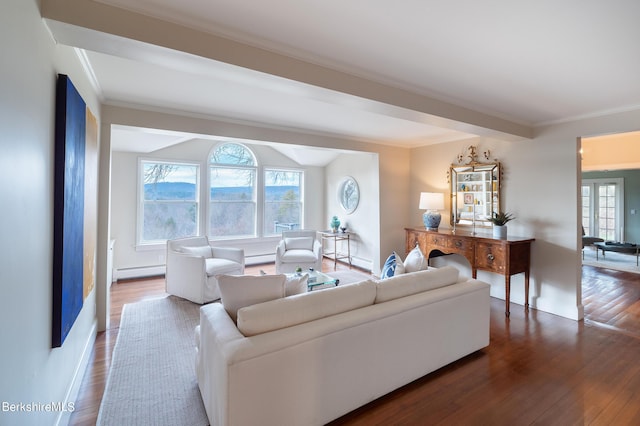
x: 169, y: 201
x: 282, y: 200
x: 232, y: 180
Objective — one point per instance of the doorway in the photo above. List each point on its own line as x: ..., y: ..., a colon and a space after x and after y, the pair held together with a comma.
x: 603, y: 207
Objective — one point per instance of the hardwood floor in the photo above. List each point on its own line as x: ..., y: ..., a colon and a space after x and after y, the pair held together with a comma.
x: 538, y: 369
x: 612, y: 298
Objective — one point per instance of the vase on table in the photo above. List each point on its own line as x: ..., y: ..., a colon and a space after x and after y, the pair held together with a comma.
x: 335, y: 224
x: 500, y: 231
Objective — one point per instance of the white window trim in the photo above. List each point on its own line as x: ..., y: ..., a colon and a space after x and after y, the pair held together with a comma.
x: 256, y: 200
x: 264, y: 188
x: 146, y: 245
x: 619, y: 182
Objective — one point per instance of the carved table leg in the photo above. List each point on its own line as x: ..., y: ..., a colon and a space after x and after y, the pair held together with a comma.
x: 526, y: 290
x: 507, y: 297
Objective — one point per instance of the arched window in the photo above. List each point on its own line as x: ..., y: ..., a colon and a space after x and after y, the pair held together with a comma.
x: 232, y: 192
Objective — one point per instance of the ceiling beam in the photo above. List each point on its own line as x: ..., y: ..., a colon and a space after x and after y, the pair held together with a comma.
x: 107, y: 29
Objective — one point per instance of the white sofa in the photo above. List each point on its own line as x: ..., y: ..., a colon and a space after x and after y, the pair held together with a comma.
x: 192, y: 267
x: 310, y: 358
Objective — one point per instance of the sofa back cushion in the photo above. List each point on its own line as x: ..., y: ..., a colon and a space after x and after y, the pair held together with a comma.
x: 415, y: 282
x: 298, y: 243
x: 237, y: 291
x: 301, y: 308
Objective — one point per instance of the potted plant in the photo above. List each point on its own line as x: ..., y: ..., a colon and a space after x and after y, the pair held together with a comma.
x: 499, y: 220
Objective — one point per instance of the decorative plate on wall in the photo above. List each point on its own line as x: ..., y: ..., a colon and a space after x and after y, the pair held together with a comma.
x: 349, y: 194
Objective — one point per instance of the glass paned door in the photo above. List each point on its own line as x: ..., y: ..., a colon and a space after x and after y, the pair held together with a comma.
x: 607, y: 201
x: 602, y: 207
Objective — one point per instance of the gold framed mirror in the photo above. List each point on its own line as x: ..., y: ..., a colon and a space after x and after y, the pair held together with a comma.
x: 475, y: 191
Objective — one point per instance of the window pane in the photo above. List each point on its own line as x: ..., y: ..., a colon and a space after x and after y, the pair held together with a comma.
x: 283, y: 201
x: 169, y: 201
x: 232, y: 219
x: 232, y: 154
x: 164, y: 220
x: 163, y: 181
x: 232, y: 192
x: 232, y: 184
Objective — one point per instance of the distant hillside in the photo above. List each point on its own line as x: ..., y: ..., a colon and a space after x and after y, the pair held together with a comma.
x: 187, y: 191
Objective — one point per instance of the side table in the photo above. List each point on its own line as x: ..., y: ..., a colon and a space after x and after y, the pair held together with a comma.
x: 336, y: 237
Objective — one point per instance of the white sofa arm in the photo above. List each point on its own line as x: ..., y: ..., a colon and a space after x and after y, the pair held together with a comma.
x: 233, y: 254
x: 317, y: 250
x: 185, y: 275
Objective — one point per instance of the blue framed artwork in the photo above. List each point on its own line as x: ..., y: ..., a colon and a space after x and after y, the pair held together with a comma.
x: 70, y: 285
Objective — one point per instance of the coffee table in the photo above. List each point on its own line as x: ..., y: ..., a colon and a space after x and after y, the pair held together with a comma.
x: 317, y: 279
x: 618, y: 247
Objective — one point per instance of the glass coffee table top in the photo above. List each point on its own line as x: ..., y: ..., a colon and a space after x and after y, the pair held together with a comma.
x: 317, y: 279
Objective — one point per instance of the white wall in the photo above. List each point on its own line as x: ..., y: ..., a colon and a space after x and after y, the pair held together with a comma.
x: 31, y: 371
x: 364, y: 221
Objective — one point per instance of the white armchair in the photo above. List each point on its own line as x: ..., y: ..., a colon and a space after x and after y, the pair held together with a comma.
x: 298, y: 249
x: 192, y: 266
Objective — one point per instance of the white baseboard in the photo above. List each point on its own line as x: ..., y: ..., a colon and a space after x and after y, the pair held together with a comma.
x: 64, y: 417
x: 152, y: 271
x: 141, y: 272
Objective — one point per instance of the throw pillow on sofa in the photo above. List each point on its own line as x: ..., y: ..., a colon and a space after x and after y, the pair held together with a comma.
x: 296, y: 284
x: 415, y: 261
x: 238, y: 291
x: 392, y: 266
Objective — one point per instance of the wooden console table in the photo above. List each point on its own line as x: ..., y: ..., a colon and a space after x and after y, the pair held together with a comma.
x: 502, y: 256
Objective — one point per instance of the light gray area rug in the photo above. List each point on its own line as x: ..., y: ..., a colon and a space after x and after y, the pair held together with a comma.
x: 152, y: 378
x: 349, y: 276
x: 612, y: 260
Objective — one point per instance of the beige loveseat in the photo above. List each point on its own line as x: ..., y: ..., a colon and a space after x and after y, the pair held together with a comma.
x: 310, y: 358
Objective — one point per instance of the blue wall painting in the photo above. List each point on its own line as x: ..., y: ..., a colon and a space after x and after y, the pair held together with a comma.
x: 68, y: 230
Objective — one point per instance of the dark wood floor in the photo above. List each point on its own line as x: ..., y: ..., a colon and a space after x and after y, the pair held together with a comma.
x: 538, y: 369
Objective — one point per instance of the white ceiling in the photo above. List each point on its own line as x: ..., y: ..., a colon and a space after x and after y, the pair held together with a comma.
x: 531, y: 63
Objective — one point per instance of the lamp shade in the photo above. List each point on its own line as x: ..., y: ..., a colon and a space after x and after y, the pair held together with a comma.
x: 431, y: 201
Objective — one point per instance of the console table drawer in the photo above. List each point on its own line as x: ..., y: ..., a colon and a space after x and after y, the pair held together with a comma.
x: 437, y: 241
x: 491, y: 257
x: 415, y: 238
x: 460, y: 244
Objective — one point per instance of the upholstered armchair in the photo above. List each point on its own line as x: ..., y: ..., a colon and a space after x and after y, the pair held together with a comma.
x: 298, y: 249
x: 192, y: 266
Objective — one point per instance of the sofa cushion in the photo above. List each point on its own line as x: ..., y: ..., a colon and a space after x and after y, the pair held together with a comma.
x: 301, y: 308
x: 296, y: 284
x: 392, y: 266
x: 215, y: 266
x: 203, y: 251
x: 415, y: 282
x: 297, y: 255
x: 237, y: 291
x: 415, y: 261
x: 298, y: 243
